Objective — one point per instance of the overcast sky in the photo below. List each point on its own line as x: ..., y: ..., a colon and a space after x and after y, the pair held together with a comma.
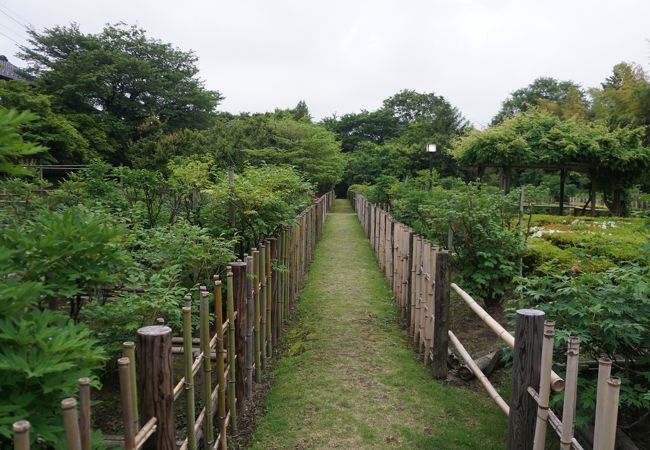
x: 345, y: 56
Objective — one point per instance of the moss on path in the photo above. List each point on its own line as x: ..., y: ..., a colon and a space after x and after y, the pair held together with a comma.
x: 350, y: 379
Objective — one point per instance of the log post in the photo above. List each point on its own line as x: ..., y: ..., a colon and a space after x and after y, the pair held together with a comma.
x: 84, y: 407
x: 527, y: 355
x: 155, y: 385
x: 441, y: 314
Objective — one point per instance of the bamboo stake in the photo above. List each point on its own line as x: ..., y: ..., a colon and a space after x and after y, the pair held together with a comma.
x: 285, y: 275
x: 21, y: 435
x: 554, y: 421
x: 84, y: 422
x: 477, y: 372
x: 188, y: 361
x: 557, y: 384
x: 570, y: 393
x: 232, y: 401
x: 262, y: 300
x: 249, y: 326
x: 604, y: 373
x: 126, y: 392
x: 611, y: 410
x: 221, y: 356
x: 256, y: 318
x: 128, y: 350
x: 71, y: 423
x: 204, y: 313
x: 544, y: 385
x: 269, y: 295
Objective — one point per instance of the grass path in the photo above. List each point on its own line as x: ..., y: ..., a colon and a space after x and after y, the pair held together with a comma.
x: 350, y: 379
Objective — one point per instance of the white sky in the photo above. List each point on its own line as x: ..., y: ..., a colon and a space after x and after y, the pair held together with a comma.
x: 344, y: 56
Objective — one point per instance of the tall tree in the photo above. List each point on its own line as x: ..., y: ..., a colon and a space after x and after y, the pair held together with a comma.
x: 355, y: 128
x: 565, y: 99
x: 129, y: 80
x: 624, y: 98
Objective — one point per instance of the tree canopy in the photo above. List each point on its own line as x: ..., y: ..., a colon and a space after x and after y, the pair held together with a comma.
x: 563, y: 98
x: 125, y: 81
x: 537, y: 137
x: 52, y: 130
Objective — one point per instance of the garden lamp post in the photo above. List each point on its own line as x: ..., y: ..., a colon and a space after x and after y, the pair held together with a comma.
x: 431, y: 149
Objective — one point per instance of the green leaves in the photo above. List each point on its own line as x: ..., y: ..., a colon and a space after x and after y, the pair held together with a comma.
x: 12, y: 145
x: 610, y: 312
x: 69, y: 252
x: 42, y: 356
x: 486, y: 247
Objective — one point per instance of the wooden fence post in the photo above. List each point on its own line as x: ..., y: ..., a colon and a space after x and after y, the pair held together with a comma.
x: 441, y: 314
x: 125, y: 395
x: 221, y: 363
x: 128, y: 350
x: 155, y: 384
x: 21, y: 435
x: 257, y: 320
x: 84, y: 407
x: 527, y: 355
x: 262, y: 277
x: 409, y: 279
x: 249, y: 326
x: 232, y: 400
x: 269, y: 294
x: 239, y: 299
x: 71, y: 423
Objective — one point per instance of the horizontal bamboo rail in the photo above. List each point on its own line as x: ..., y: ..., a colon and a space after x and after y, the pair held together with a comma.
x: 557, y: 383
x: 479, y: 374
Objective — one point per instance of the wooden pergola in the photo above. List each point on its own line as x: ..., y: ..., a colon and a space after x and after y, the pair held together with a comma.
x: 506, y: 176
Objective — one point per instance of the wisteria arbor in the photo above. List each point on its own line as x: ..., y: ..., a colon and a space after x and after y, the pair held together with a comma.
x: 613, y: 159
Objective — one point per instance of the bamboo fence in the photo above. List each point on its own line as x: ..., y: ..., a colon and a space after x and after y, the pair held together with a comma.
x: 260, y: 296
x: 418, y: 274
x: 419, y: 279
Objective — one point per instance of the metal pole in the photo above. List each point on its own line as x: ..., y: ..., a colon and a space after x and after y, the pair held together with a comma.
x: 430, y: 171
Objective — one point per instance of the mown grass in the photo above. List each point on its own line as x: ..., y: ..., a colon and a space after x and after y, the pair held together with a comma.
x: 350, y: 379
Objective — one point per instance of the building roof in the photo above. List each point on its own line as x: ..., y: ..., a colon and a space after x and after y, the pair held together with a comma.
x: 10, y: 72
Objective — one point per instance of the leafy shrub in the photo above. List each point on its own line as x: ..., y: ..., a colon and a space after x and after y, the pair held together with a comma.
x: 118, y: 319
x: 195, y: 253
x: 42, y: 356
x: 70, y: 252
x: 486, y: 245
x: 610, y: 312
